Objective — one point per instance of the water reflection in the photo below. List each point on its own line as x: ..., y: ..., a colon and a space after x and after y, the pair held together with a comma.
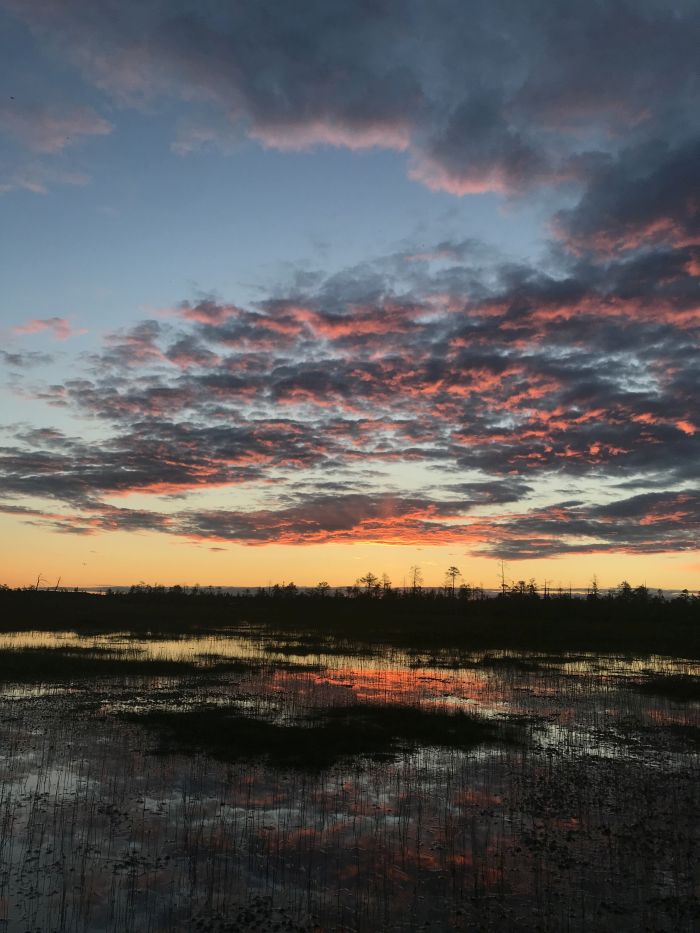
x: 586, y: 824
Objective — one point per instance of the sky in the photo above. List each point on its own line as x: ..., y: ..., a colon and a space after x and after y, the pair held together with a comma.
x: 294, y: 291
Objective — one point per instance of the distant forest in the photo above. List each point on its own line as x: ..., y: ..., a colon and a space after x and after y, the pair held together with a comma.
x: 373, y: 587
x: 370, y: 585
x: 521, y: 616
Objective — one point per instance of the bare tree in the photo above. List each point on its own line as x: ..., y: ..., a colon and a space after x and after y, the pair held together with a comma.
x: 416, y: 578
x: 504, y: 585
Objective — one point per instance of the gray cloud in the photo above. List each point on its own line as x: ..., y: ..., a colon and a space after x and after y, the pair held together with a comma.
x: 24, y: 359
x: 649, y: 195
x: 482, y: 94
x: 648, y: 523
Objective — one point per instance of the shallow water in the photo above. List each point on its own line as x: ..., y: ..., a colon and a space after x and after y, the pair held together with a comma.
x: 588, y: 821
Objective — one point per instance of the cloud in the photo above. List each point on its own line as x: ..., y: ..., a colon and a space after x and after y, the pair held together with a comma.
x: 22, y: 360
x: 503, y: 382
x: 44, y: 131
x: 482, y: 96
x: 649, y: 523
x: 38, y: 177
x: 649, y: 196
x: 479, y: 151
x: 59, y: 327
x: 293, y: 137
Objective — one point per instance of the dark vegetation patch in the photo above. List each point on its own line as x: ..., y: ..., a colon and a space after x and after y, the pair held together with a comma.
x: 541, y: 663
x: 682, y: 687
x: 684, y: 733
x: 331, y: 735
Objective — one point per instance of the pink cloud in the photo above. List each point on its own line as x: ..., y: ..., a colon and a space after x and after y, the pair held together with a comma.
x: 59, y: 327
x: 298, y: 137
x: 208, y: 312
x: 42, y: 131
x: 437, y: 178
x: 658, y: 230
x: 693, y: 265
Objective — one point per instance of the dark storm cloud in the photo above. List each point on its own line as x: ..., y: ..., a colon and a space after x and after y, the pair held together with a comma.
x: 649, y: 195
x: 487, y: 94
x: 479, y: 150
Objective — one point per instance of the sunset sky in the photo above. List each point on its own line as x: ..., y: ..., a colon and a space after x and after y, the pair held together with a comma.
x: 291, y: 291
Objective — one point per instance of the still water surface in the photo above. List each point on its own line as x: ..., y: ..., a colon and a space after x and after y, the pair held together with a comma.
x: 587, y: 821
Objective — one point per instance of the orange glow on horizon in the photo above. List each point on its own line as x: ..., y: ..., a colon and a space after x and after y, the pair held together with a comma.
x: 122, y: 558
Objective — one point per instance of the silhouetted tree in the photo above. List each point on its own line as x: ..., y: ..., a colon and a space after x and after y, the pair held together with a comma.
x: 504, y: 585
x: 451, y: 575
x: 370, y: 582
x: 624, y: 591
x: 416, y: 579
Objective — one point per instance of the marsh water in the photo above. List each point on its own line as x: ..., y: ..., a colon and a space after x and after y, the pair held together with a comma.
x: 240, y: 782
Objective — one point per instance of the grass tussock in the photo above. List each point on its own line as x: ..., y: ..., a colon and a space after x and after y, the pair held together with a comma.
x: 330, y: 736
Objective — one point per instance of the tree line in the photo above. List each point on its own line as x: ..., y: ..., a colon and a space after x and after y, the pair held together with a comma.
x: 380, y: 587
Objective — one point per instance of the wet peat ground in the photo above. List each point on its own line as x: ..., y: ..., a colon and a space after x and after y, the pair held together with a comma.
x: 236, y: 783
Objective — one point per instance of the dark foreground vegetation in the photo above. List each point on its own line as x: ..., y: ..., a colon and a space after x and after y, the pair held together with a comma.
x: 329, y: 736
x: 625, y: 619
